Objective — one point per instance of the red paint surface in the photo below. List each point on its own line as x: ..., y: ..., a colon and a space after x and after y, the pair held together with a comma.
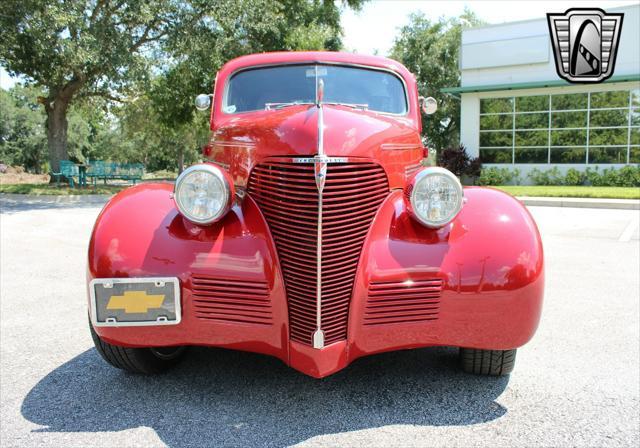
x: 489, y: 260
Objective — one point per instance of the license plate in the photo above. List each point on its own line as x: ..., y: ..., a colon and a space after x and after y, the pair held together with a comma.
x: 135, y: 301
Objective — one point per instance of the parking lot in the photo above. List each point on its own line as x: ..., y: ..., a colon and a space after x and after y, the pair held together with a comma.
x: 576, y: 383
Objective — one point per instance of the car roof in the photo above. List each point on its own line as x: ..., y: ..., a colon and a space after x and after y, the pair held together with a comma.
x: 332, y: 57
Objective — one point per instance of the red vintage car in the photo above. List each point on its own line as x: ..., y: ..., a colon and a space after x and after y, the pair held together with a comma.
x: 313, y: 233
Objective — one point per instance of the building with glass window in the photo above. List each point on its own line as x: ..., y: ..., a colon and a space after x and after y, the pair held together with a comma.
x: 516, y: 112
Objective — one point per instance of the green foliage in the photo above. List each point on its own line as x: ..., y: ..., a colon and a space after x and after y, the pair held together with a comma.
x: 22, y: 134
x: 516, y: 177
x: 574, y: 177
x: 495, y: 176
x: 547, y: 177
x: 627, y: 176
x: 594, y: 177
x: 430, y: 50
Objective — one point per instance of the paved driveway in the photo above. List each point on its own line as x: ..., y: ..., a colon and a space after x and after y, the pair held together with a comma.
x: 576, y: 383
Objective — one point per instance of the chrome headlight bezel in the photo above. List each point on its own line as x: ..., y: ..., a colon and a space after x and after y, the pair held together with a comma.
x: 227, y: 192
x: 420, y: 177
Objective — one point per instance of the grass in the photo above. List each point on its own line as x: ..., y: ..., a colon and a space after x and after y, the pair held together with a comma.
x: 62, y: 190
x: 516, y: 190
x: 572, y: 192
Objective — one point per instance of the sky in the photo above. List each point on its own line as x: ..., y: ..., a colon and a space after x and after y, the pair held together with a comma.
x: 373, y: 28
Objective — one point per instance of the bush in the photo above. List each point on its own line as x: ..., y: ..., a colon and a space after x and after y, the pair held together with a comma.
x: 458, y: 162
x: 517, y: 179
x: 574, y: 177
x: 630, y: 176
x: 627, y: 176
x: 611, y: 178
x: 594, y: 177
x: 548, y: 177
x: 495, y: 176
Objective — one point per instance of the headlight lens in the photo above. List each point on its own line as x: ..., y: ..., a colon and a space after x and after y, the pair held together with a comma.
x: 202, y: 194
x: 435, y: 196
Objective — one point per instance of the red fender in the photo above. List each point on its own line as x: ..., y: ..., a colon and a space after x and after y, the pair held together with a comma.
x: 140, y: 233
x: 489, y: 261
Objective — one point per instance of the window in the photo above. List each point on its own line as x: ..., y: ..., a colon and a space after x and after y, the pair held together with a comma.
x: 596, y: 127
x: 261, y: 88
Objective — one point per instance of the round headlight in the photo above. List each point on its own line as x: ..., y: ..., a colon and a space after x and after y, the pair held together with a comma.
x: 435, y: 196
x: 202, y: 194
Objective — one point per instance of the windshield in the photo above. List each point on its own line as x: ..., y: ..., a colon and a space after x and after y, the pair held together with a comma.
x: 274, y: 87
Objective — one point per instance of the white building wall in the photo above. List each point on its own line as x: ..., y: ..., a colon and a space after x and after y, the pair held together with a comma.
x: 520, y: 52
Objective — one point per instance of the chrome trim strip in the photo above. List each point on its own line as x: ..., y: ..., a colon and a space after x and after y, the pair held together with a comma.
x: 399, y: 146
x: 107, y: 281
x: 233, y: 144
x: 320, y: 173
x: 326, y: 159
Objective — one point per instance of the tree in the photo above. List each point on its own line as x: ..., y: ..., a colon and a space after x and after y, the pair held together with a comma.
x: 80, y: 48
x: 84, y: 48
x: 430, y: 50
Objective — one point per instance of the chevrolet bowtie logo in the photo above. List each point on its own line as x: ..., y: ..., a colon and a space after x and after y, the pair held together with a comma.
x: 135, y: 302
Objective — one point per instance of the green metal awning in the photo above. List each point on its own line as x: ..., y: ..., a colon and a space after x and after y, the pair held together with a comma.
x: 530, y: 85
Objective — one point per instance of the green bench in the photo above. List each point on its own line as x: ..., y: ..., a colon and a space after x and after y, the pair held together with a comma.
x: 98, y: 169
x: 68, y: 170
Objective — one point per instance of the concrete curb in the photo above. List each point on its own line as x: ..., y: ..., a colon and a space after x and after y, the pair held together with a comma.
x: 624, y: 204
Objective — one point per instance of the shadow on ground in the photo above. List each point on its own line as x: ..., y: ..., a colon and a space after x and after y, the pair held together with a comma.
x: 220, y: 397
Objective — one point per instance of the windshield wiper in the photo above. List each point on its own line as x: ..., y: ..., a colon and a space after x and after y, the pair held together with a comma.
x: 352, y: 105
x: 276, y: 106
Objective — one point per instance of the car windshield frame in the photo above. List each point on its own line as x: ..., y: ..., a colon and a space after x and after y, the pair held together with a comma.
x: 310, y: 64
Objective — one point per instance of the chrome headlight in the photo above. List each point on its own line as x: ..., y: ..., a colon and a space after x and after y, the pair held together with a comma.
x: 203, y: 193
x: 435, y: 196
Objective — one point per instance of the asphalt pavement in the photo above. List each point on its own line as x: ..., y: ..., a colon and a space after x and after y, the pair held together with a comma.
x: 577, y: 383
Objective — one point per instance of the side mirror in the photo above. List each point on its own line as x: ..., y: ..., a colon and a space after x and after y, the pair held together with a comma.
x: 203, y: 102
x: 429, y: 105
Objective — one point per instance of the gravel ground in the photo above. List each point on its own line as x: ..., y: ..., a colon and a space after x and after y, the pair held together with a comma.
x: 576, y: 383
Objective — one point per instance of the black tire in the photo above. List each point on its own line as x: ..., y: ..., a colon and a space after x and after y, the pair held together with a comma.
x: 487, y: 362
x: 146, y: 361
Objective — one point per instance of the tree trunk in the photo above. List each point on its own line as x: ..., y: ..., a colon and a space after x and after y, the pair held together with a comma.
x: 57, y: 133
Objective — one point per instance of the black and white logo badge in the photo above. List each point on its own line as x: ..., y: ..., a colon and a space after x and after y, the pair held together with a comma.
x: 585, y: 42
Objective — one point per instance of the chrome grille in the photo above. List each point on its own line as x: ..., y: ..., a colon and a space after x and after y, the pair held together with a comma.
x: 288, y: 197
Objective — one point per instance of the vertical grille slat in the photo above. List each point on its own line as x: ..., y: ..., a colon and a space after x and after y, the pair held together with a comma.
x: 286, y: 193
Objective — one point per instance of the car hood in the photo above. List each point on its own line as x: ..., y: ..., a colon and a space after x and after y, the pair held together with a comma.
x: 294, y: 131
